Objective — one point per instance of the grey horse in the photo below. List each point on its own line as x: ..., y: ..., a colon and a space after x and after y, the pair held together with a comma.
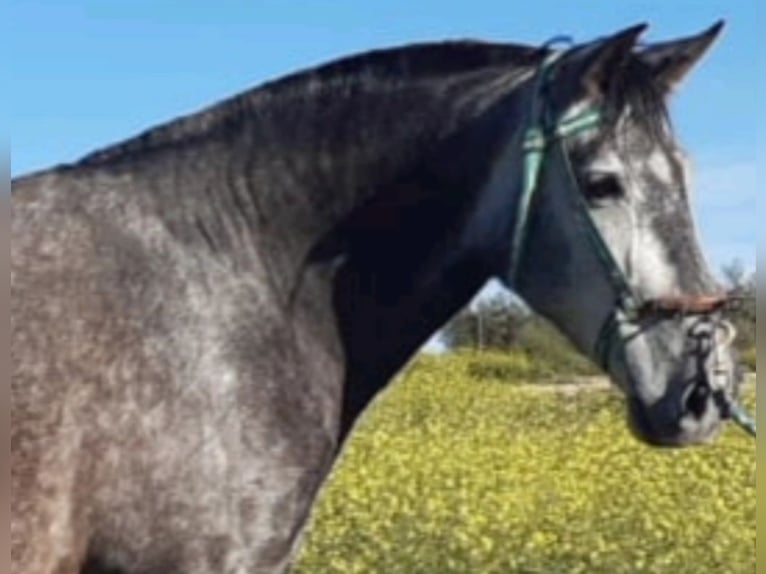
x: 201, y: 313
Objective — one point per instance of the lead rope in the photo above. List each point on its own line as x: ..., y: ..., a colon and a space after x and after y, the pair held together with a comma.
x: 743, y: 419
x: 738, y: 413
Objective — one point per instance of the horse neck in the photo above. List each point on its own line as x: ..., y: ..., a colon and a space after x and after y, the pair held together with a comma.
x: 397, y: 288
x: 365, y: 200
x: 285, y: 190
x: 382, y: 324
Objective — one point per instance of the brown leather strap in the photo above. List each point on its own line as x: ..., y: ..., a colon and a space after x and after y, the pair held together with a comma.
x: 686, y: 305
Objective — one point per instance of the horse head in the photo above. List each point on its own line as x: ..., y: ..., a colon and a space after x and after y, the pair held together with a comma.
x: 603, y: 241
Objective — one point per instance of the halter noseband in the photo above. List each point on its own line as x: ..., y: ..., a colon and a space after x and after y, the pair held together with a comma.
x: 629, y: 307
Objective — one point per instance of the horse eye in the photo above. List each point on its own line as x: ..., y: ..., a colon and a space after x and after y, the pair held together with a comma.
x: 604, y: 186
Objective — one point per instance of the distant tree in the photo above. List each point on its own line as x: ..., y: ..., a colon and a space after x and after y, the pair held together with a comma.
x: 493, y: 323
x: 461, y: 331
x: 742, y: 286
x: 734, y: 274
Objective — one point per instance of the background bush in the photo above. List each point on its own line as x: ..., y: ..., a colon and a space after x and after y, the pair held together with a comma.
x: 749, y: 359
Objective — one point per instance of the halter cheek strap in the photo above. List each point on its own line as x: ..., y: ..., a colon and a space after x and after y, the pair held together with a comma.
x: 628, y: 306
x: 537, y: 141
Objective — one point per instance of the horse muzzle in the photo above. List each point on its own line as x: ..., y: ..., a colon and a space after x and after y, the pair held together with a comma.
x: 693, y: 416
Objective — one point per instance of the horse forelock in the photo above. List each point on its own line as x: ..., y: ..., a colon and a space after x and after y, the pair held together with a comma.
x: 634, y: 96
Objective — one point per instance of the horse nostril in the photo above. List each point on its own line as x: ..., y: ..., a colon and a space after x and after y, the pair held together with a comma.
x: 697, y: 400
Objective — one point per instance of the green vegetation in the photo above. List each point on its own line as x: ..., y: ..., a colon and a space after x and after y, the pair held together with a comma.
x: 454, y: 471
x: 749, y: 359
x: 534, y: 349
x: 513, y: 367
x: 744, y: 314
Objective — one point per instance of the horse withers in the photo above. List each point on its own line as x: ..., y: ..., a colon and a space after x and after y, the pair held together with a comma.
x: 200, y: 313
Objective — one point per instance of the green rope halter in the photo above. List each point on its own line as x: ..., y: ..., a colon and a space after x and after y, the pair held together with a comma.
x: 543, y: 132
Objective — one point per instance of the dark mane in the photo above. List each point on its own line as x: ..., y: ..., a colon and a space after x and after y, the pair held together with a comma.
x: 422, y: 61
x: 634, y: 89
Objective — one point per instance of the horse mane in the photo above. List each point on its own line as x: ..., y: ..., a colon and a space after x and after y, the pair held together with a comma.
x: 419, y: 61
x: 633, y: 88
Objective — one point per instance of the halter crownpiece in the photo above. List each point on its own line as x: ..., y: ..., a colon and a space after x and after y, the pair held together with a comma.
x: 546, y: 130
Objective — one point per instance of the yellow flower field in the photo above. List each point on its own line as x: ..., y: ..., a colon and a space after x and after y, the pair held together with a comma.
x: 448, y: 474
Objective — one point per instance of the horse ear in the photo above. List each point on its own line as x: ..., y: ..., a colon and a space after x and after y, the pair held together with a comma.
x: 603, y: 57
x: 672, y: 61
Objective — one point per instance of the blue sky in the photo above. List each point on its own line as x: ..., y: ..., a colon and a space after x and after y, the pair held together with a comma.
x: 88, y: 73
